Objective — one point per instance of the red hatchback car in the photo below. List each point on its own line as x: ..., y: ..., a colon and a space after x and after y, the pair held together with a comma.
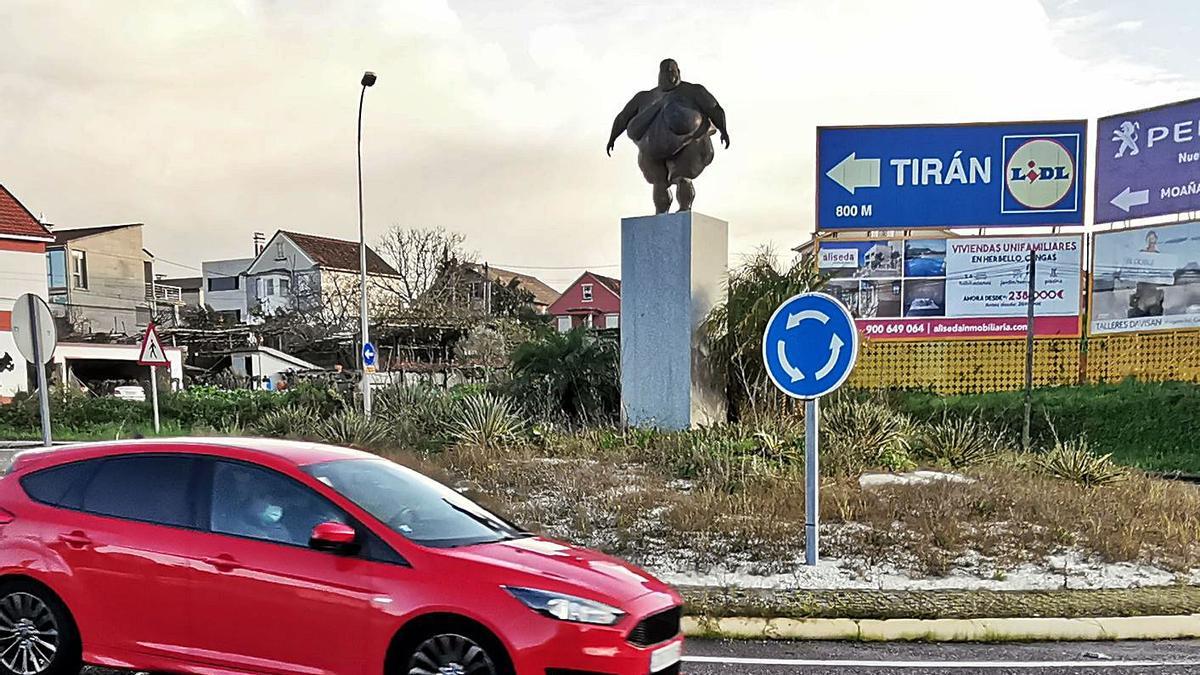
x: 223, y: 556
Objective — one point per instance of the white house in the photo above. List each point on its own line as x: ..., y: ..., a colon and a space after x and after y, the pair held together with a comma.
x: 225, y: 288
x: 23, y: 243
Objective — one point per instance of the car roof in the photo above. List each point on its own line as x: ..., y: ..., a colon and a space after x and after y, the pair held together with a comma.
x: 266, y: 450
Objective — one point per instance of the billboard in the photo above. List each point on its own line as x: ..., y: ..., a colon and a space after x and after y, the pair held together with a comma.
x: 956, y: 288
x: 1148, y: 162
x: 907, y: 177
x: 1146, y: 278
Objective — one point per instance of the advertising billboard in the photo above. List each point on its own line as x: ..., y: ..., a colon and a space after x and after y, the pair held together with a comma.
x: 956, y: 288
x: 950, y: 175
x: 1146, y: 278
x: 1148, y: 162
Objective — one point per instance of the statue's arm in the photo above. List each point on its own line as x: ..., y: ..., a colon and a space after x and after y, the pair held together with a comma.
x: 621, y: 123
x: 708, y: 103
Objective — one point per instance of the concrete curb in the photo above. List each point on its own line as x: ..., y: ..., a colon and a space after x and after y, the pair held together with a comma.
x: 947, y: 630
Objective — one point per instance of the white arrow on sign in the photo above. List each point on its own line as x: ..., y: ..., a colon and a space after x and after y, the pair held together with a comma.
x: 835, y: 350
x: 792, y: 371
x: 795, y: 319
x: 1128, y: 199
x: 853, y: 173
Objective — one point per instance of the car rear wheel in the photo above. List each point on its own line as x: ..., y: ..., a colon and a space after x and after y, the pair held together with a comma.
x: 37, y: 635
x: 450, y: 654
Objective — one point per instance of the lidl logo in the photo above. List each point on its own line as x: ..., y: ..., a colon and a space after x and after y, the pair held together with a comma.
x: 1041, y: 174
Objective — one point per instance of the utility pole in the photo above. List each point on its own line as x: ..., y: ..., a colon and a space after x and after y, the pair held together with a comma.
x: 1029, y: 349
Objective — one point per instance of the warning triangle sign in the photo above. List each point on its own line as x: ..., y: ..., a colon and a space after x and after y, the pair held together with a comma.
x: 152, y: 352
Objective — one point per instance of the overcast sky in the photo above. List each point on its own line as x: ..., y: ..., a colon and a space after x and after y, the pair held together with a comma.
x: 210, y: 120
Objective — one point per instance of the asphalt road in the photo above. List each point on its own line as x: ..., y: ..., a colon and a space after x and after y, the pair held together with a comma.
x: 828, y: 658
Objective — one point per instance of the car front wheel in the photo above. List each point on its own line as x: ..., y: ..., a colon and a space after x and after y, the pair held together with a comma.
x: 37, y: 635
x: 450, y: 654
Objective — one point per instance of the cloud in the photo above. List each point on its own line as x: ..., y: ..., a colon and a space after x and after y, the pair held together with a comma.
x: 211, y: 120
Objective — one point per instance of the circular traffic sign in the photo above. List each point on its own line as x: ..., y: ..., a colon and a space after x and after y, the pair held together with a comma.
x: 810, y: 345
x: 31, y: 320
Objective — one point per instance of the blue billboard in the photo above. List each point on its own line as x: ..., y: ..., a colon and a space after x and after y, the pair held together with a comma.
x: 1148, y: 162
x: 959, y: 175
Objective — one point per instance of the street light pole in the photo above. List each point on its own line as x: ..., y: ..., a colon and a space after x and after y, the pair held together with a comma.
x: 368, y: 79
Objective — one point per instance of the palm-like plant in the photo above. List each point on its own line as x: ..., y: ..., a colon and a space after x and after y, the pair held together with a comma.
x: 735, y: 327
x: 573, y: 374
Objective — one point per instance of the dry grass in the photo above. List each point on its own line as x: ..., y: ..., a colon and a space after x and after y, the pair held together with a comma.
x: 710, y: 498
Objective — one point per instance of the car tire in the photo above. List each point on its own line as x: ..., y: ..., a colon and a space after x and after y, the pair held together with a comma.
x: 38, y: 636
x: 473, y: 653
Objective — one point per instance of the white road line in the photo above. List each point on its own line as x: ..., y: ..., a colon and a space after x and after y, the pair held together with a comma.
x: 947, y: 665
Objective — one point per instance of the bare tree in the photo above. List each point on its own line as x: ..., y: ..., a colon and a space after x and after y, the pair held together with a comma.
x: 420, y: 255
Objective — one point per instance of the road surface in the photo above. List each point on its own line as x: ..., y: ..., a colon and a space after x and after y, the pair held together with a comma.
x: 830, y: 658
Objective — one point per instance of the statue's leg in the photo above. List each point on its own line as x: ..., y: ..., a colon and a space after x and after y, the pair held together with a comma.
x: 656, y: 173
x: 685, y: 193
x: 662, y: 197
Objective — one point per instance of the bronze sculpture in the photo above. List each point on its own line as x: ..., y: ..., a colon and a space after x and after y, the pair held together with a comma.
x: 671, y: 125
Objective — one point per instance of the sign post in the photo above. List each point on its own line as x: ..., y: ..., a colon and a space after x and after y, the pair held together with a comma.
x: 152, y: 354
x: 810, y: 346
x: 33, y: 331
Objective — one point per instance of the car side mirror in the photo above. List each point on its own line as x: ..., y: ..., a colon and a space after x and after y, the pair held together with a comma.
x: 333, y: 536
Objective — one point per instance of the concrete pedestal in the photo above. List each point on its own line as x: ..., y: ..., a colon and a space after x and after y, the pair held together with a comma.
x: 673, y: 269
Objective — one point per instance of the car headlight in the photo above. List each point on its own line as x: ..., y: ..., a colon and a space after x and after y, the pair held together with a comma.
x: 566, y: 607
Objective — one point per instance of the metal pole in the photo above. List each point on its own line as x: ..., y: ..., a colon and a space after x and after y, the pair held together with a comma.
x: 1029, y: 349
x: 35, y: 318
x: 812, y: 482
x: 362, y: 266
x: 154, y: 394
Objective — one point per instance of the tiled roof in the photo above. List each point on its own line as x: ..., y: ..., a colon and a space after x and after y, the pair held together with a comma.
x: 542, y: 293
x: 64, y: 236
x: 613, y: 285
x: 338, y: 254
x: 16, y: 220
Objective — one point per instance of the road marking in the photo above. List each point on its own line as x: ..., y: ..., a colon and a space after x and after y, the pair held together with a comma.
x: 947, y: 665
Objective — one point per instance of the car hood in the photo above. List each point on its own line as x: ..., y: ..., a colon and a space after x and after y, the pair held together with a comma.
x: 562, y: 564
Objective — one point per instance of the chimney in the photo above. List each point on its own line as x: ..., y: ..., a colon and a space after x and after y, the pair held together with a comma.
x: 260, y: 241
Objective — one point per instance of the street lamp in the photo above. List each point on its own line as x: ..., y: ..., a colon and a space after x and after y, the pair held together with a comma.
x: 368, y: 79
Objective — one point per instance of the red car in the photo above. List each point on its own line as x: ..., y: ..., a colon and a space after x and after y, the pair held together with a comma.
x: 224, y: 556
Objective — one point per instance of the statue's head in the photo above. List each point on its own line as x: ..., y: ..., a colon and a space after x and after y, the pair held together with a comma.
x: 668, y: 74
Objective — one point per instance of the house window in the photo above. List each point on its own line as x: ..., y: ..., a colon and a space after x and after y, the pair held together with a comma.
x: 612, y: 320
x: 268, y: 286
x: 564, y: 324
x: 587, y: 292
x: 230, y: 316
x: 79, y: 275
x: 56, y: 268
x: 285, y: 286
x: 223, y: 283
x: 279, y: 251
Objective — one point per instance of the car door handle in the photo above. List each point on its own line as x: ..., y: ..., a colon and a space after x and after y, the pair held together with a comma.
x: 223, y: 563
x: 76, y: 539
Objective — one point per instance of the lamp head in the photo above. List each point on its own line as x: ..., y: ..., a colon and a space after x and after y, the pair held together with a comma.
x: 368, y: 79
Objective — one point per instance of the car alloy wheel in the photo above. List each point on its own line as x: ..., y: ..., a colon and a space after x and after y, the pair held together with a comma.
x: 450, y: 654
x: 29, y: 637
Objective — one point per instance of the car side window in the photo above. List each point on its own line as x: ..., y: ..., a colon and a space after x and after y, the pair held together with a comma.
x: 249, y: 501
x: 150, y: 488
x: 60, y: 485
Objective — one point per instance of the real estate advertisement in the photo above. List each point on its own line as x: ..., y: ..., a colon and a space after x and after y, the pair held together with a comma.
x: 1146, y: 279
x: 956, y: 288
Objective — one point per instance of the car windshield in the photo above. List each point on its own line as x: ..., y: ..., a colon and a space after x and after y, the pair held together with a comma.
x: 417, y: 507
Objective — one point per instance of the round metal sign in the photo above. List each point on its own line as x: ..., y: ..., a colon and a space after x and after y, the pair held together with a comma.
x: 32, y: 322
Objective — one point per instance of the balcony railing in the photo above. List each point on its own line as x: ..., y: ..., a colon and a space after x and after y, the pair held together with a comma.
x: 164, y: 293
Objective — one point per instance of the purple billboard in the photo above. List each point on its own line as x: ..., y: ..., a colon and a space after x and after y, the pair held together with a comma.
x: 1148, y: 162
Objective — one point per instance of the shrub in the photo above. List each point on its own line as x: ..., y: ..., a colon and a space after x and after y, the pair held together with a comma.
x: 1074, y: 460
x: 486, y: 421
x: 289, y: 422
x: 352, y: 428
x: 573, y: 374
x: 420, y: 416
x: 862, y: 433
x: 957, y: 443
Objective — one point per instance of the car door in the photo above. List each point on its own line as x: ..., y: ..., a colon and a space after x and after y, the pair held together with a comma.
x: 126, y: 530
x: 265, y: 600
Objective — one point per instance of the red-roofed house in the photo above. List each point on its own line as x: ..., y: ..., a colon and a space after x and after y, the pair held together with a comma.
x: 593, y: 300
x: 23, y: 242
